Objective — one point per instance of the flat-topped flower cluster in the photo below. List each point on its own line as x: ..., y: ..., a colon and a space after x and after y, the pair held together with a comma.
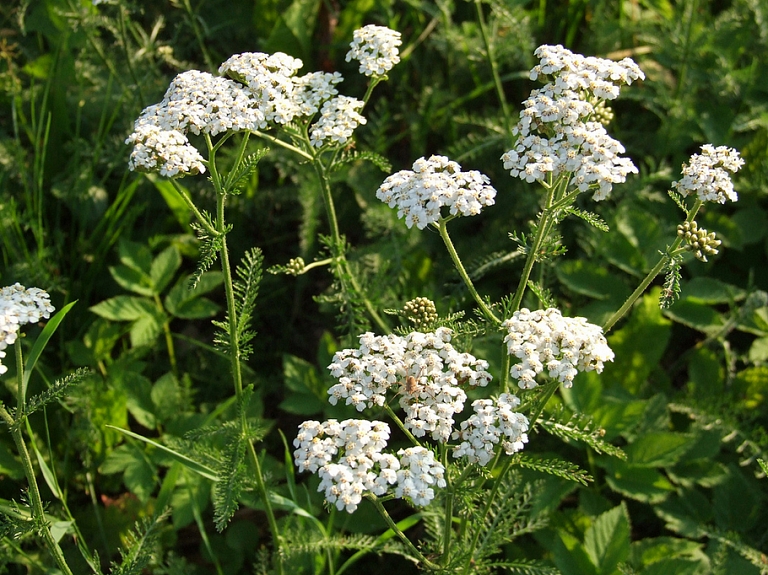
x: 435, y: 183
x: 20, y: 306
x: 557, y: 132
x: 564, y: 346
x: 708, y: 174
x: 427, y: 374
x: 254, y: 91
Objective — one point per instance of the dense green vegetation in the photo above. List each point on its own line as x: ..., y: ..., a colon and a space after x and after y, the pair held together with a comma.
x: 149, y: 461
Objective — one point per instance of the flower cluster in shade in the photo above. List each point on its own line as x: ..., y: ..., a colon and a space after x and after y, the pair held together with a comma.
x: 558, y: 132
x: 347, y: 457
x: 563, y: 346
x: 254, y: 91
x: 375, y: 48
x: 382, y: 363
x: 708, y: 174
x: 20, y: 306
x: 492, y: 422
x: 435, y: 183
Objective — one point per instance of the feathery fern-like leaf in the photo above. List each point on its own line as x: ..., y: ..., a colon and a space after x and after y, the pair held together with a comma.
x: 557, y: 467
x: 237, y: 178
x: 58, y: 390
x: 591, y: 218
x: 140, y: 545
x: 579, y: 427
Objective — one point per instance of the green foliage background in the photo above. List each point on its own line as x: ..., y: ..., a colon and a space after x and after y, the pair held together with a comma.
x: 686, y: 398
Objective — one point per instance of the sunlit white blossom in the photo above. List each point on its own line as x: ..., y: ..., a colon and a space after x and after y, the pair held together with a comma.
x: 375, y: 47
x: 492, y: 422
x: 338, y: 119
x: 167, y: 152
x: 20, y: 306
x: 708, y: 174
x: 382, y: 364
x: 563, y: 346
x: 435, y: 183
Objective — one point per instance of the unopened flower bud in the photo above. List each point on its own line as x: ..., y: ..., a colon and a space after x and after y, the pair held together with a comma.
x: 421, y: 312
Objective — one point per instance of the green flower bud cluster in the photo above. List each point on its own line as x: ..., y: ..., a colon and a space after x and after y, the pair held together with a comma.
x: 295, y: 266
x: 701, y: 243
x: 421, y: 312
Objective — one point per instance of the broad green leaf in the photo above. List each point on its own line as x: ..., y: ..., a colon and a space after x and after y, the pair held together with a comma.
x: 703, y: 472
x: 124, y: 308
x: 137, y: 390
x: 163, y: 268
x: 138, y: 472
x: 198, y: 308
x: 707, y: 374
x: 607, y: 539
x: 616, y: 416
x: 639, y: 483
x: 173, y: 199
x: 179, y: 301
x: 132, y: 279
x: 570, y: 556
x: 134, y: 255
x: 674, y: 566
x: 145, y: 330
x: 638, y: 345
x: 737, y: 502
x: 590, y: 279
x: 696, y: 315
x: 307, y: 391
x: 758, y: 351
x: 191, y: 491
x: 712, y: 291
x: 685, y: 513
x: 658, y: 449
x: 655, y: 549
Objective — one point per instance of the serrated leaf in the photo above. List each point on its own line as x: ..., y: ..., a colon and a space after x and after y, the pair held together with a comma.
x: 607, y: 539
x: 712, y: 291
x: 696, y: 315
x: 658, y: 449
x: 124, y: 308
x: 163, y: 268
x: 132, y: 280
x: 145, y: 330
x: 199, y: 308
x: 134, y: 255
x: 640, y: 483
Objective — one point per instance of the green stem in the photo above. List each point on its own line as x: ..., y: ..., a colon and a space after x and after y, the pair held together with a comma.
x: 530, y: 260
x: 672, y: 250
x: 448, y: 512
x: 401, y: 425
x: 494, y: 69
x: 282, y: 144
x: 168, y: 338
x: 393, y: 526
x: 191, y: 205
x: 442, y: 228
x: 234, y: 350
x: 38, y: 509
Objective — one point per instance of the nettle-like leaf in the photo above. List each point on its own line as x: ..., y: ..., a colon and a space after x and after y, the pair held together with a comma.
x: 581, y: 428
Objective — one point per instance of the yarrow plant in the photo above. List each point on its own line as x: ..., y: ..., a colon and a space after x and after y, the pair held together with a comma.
x: 376, y: 49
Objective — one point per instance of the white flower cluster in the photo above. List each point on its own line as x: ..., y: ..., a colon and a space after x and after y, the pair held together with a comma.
x: 348, y: 458
x: 20, y: 306
x: 544, y: 339
x: 567, y: 140
x: 424, y: 369
x: 708, y: 176
x: 492, y: 422
x: 434, y: 183
x: 165, y: 151
x: 375, y: 47
x: 338, y: 119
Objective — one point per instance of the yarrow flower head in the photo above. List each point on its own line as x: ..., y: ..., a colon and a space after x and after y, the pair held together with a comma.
x: 375, y: 47
x: 564, y: 346
x: 348, y: 457
x: 422, y: 368
x: 338, y: 119
x: 708, y: 174
x: 20, y: 306
x: 557, y: 133
x: 165, y: 151
x: 493, y: 421
x: 435, y: 183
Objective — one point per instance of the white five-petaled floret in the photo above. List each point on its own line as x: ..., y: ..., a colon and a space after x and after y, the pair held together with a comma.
x: 708, y: 174
x: 435, y: 183
x: 563, y: 346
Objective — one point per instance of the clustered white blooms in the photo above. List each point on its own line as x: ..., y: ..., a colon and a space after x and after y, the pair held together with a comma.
x: 557, y: 133
x: 348, y: 458
x: 493, y: 421
x: 375, y: 47
x: 338, y: 119
x: 381, y: 363
x: 253, y: 92
x: 434, y: 183
x: 20, y: 306
x: 544, y: 339
x: 708, y: 176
